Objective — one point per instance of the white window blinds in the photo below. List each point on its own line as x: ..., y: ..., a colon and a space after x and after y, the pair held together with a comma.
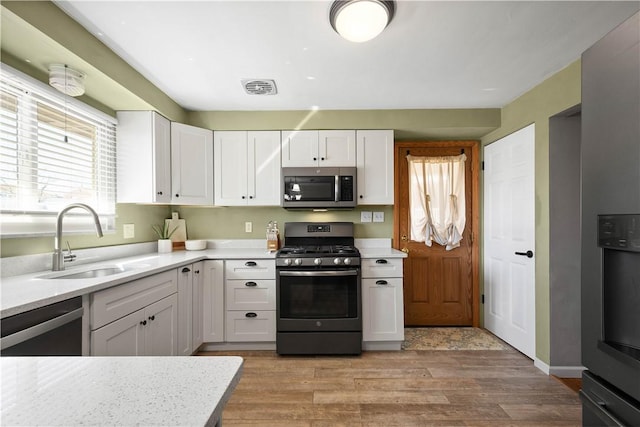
x: 54, y: 150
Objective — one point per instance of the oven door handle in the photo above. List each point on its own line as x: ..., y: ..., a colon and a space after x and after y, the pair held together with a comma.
x: 317, y: 273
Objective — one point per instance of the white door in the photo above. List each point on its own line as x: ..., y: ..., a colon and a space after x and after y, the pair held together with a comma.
x: 509, y: 240
x: 161, y: 330
x: 374, y: 154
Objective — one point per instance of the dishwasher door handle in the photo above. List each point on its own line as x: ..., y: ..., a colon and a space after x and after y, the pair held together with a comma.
x: 40, y: 329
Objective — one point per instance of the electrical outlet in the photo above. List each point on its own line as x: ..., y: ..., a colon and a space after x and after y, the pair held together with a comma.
x: 248, y: 227
x: 365, y: 216
x: 378, y: 217
x: 128, y: 231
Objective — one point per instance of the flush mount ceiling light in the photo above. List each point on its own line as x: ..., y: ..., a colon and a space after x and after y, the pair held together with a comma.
x: 360, y: 20
x: 66, y: 80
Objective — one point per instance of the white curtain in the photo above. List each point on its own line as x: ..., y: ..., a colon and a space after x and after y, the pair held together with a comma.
x: 436, y: 199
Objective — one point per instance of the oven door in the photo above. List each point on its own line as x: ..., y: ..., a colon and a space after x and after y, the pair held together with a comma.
x: 318, y: 300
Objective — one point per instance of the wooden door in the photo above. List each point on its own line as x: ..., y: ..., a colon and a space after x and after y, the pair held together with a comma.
x: 440, y: 286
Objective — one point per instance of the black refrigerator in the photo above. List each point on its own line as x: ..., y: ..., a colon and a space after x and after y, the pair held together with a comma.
x: 610, y: 228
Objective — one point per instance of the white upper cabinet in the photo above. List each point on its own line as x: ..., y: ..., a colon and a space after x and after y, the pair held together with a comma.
x: 144, y: 157
x: 375, y: 167
x: 191, y: 165
x: 334, y: 148
x: 247, y: 168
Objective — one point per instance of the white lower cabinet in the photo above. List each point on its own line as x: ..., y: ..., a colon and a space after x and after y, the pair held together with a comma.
x: 213, y: 301
x: 250, y: 298
x: 382, y: 300
x: 190, y: 290
x: 139, y: 318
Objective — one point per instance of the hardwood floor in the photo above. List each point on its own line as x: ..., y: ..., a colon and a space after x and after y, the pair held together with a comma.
x: 405, y: 388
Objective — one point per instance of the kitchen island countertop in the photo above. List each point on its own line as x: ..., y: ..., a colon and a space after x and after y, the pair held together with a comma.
x: 138, y: 390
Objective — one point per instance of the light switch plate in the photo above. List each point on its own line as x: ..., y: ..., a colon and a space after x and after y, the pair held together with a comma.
x: 248, y: 227
x: 365, y: 216
x: 128, y: 231
x: 378, y: 217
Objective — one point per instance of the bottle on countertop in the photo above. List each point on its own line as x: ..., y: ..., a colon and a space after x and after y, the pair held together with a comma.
x: 273, y: 237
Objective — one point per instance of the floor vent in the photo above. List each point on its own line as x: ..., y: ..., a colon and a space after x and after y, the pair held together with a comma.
x: 259, y: 86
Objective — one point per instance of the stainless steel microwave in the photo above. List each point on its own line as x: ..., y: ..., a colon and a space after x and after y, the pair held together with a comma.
x: 319, y: 188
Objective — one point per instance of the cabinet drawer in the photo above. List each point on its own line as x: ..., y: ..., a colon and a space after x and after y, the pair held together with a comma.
x: 114, y: 303
x: 256, y: 294
x: 250, y: 269
x: 250, y: 326
x: 382, y: 267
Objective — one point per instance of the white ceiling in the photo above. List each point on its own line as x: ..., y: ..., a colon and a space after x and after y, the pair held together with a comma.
x: 448, y: 54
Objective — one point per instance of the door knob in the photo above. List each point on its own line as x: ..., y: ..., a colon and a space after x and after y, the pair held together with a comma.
x: 405, y: 250
x: 528, y: 254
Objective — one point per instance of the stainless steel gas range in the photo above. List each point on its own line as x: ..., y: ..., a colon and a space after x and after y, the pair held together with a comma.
x: 319, y: 302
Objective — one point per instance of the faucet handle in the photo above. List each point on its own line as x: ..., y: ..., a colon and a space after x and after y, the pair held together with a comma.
x: 69, y: 256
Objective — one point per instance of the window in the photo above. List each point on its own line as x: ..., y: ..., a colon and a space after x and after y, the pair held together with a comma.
x: 54, y: 150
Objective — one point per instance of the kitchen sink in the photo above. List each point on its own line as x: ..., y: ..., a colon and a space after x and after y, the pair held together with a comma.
x: 93, y: 273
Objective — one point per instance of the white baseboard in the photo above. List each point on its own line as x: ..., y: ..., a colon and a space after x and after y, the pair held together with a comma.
x: 567, y: 371
x: 541, y: 365
x: 559, y: 371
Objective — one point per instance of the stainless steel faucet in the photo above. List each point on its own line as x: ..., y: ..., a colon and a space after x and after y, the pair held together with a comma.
x: 58, y: 258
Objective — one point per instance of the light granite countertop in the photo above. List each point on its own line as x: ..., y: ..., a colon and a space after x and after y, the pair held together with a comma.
x: 71, y: 391
x: 25, y: 292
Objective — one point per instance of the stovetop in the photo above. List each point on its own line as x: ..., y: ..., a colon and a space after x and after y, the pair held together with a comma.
x: 320, y: 250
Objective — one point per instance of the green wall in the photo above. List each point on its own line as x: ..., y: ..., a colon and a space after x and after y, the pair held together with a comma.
x: 27, y: 25
x: 554, y: 95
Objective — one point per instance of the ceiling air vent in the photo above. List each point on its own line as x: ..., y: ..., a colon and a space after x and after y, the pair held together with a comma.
x: 259, y: 86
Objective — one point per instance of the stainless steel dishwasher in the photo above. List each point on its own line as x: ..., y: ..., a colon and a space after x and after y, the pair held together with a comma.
x: 52, y: 330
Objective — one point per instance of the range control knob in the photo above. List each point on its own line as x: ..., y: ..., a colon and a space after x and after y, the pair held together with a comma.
x: 347, y: 261
x: 287, y: 261
x: 317, y: 261
x: 337, y: 261
x: 297, y: 261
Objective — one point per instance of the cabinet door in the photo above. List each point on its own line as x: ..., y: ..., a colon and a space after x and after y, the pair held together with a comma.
x: 213, y: 301
x: 230, y: 168
x: 250, y: 269
x: 196, y: 306
x: 337, y: 148
x: 375, y: 167
x: 250, y: 294
x: 124, y: 337
x: 251, y: 326
x: 143, y: 157
x: 116, y: 302
x: 381, y: 267
x: 191, y: 165
x: 299, y: 148
x: 185, y: 300
x: 161, y: 330
x: 382, y: 310
x: 263, y: 179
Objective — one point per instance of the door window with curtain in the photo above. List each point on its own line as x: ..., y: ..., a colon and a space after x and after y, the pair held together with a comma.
x: 437, y: 199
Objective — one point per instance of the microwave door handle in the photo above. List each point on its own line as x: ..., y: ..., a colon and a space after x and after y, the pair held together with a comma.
x: 337, y: 188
